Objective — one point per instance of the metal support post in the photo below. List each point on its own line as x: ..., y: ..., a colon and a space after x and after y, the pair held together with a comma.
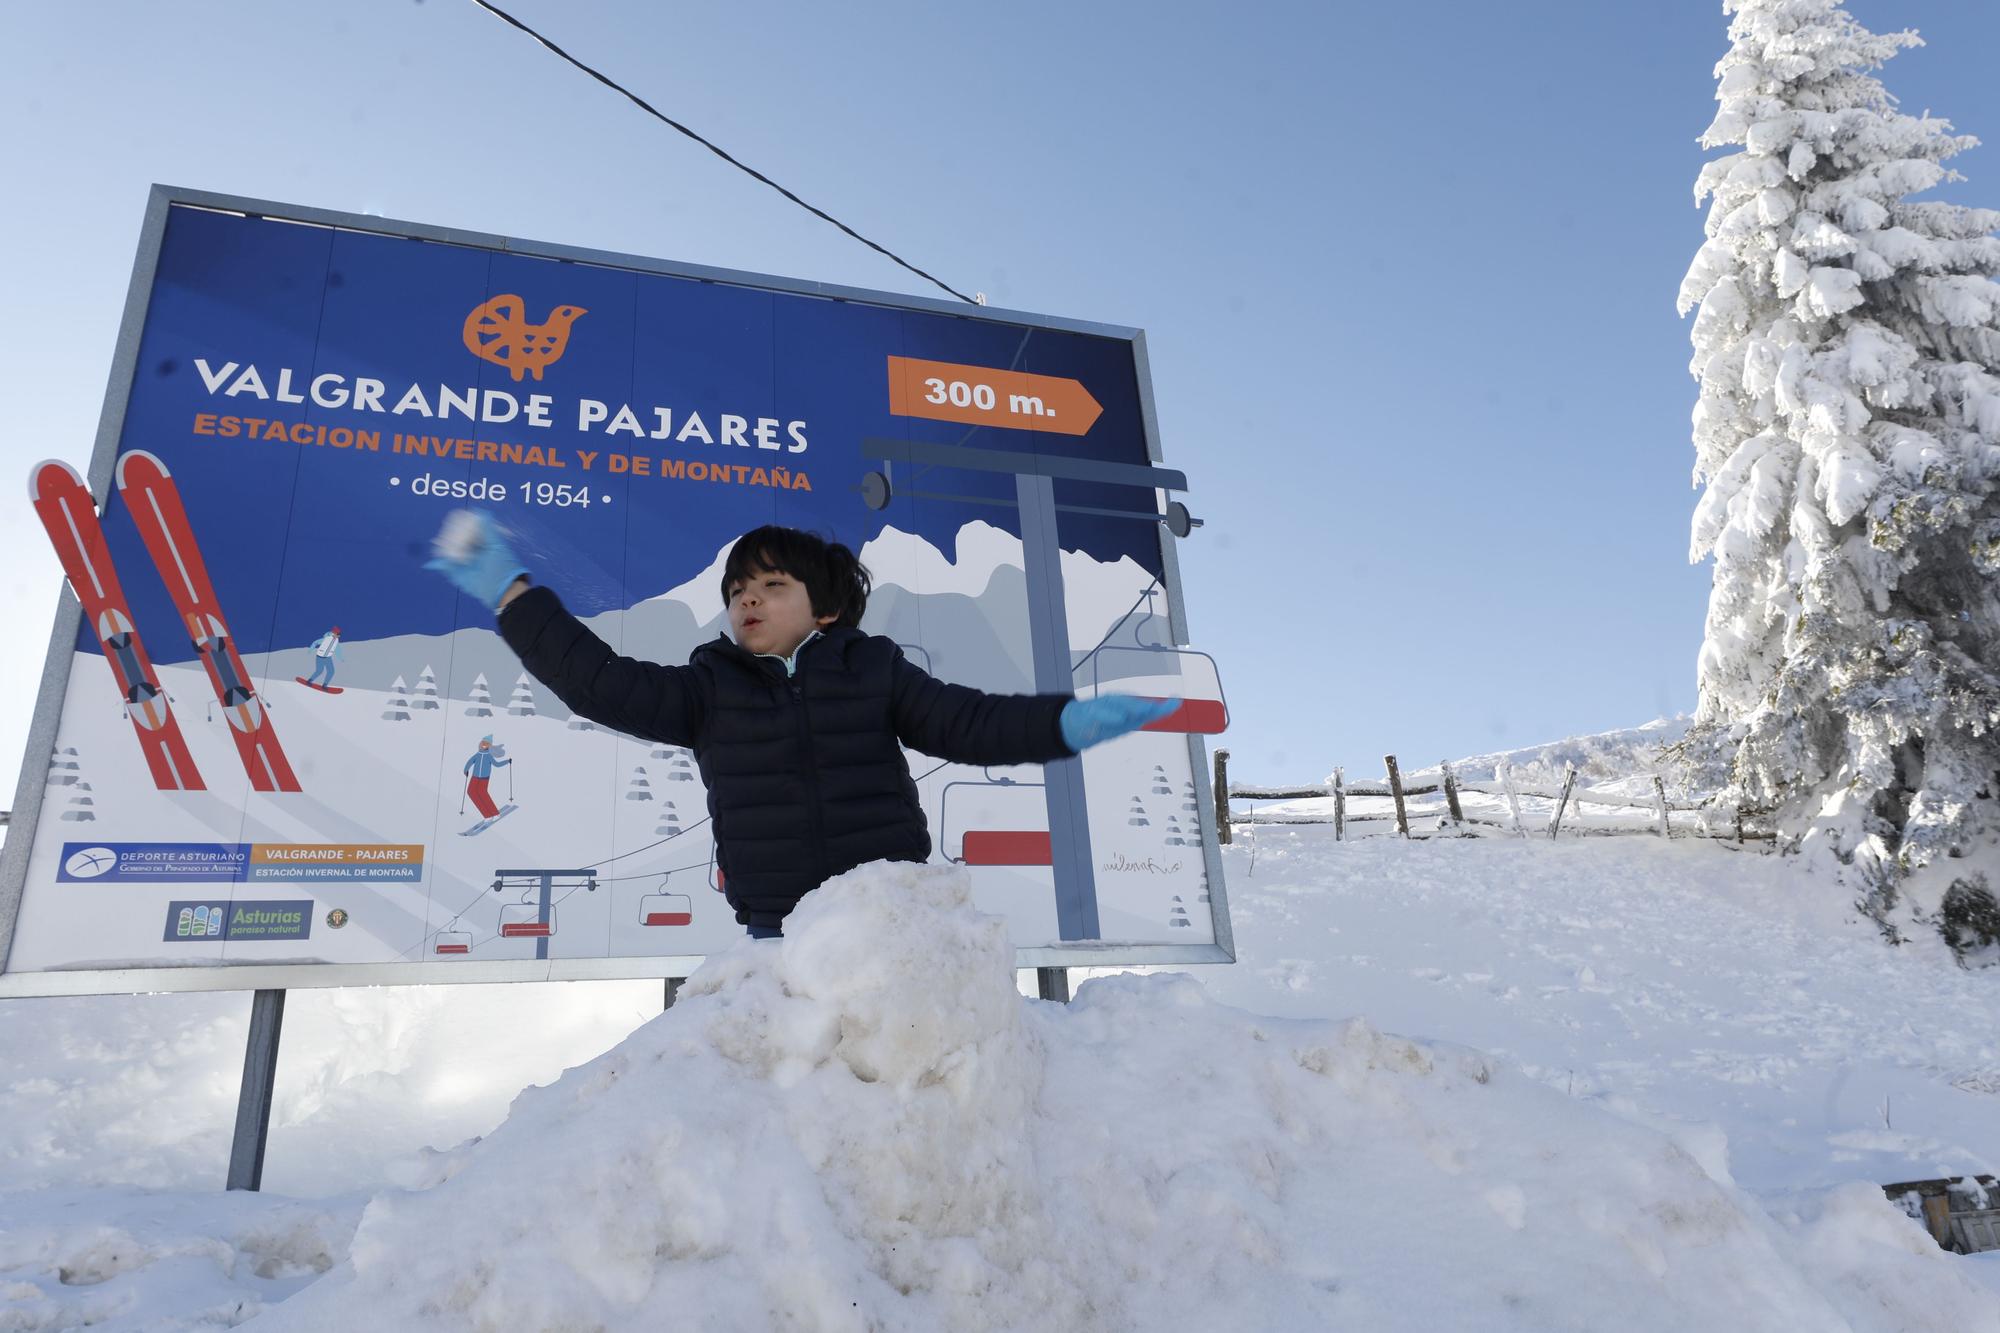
x: 253, y: 1104
x: 542, y: 944
x: 1222, y: 796
x: 1048, y: 640
x: 673, y: 991
x: 1053, y: 983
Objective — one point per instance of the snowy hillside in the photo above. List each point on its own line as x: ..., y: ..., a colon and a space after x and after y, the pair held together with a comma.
x: 1604, y: 756
x: 1646, y: 1085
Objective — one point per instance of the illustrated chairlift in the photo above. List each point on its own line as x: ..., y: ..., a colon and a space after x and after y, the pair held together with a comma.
x: 665, y: 909
x: 1021, y: 844
x: 1159, y: 671
x: 523, y: 920
x: 452, y: 942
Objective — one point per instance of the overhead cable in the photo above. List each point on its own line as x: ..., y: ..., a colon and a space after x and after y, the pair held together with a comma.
x: 650, y: 110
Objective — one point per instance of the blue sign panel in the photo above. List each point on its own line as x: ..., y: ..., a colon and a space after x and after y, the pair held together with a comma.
x: 152, y: 863
x: 299, y: 699
x: 221, y: 919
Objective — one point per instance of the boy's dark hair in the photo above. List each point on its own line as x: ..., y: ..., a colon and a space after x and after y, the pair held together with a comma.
x: 834, y: 577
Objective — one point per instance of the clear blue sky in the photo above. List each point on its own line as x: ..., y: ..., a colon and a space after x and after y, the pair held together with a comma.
x: 1407, y: 272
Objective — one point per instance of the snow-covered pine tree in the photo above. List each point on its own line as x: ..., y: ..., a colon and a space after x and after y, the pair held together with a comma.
x: 1848, y: 434
x: 522, y: 703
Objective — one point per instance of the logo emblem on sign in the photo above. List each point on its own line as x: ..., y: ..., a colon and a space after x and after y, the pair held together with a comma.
x: 498, y: 331
x: 90, y: 862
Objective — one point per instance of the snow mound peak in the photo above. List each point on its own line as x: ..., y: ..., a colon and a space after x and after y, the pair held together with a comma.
x: 864, y: 1127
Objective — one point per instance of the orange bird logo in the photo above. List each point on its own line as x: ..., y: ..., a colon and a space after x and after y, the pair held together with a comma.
x: 497, y: 331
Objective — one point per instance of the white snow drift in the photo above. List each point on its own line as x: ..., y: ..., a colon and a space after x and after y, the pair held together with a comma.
x: 863, y: 1126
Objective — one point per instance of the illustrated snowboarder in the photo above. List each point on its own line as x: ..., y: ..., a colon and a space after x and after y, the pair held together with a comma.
x: 326, y: 654
x: 478, y: 771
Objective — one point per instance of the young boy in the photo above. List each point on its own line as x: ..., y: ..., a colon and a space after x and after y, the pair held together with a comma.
x: 794, y: 718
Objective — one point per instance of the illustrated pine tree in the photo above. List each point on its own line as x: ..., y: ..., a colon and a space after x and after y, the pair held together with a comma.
x: 426, y: 698
x: 578, y: 722
x: 64, y: 767
x: 522, y: 702
x: 480, y: 701
x: 639, y: 787
x: 398, y: 707
x: 82, y: 806
x: 1848, y: 439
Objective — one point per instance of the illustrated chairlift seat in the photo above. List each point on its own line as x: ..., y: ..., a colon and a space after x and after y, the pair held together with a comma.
x: 1015, y: 842
x: 666, y: 909
x: 523, y: 921
x: 1155, y: 671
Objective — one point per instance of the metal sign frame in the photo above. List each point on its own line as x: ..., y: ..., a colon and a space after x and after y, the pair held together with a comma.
x: 32, y: 784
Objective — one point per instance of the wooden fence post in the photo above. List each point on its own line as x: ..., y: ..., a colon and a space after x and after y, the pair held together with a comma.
x: 1569, y: 784
x: 1396, y: 790
x: 1505, y: 772
x: 1339, y: 804
x: 1222, y: 796
x: 1451, y: 795
x: 1660, y: 800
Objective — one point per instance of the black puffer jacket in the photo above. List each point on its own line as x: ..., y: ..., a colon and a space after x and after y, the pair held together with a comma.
x: 805, y: 776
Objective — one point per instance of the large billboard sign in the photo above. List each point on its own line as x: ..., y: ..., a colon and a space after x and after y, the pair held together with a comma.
x: 272, y: 750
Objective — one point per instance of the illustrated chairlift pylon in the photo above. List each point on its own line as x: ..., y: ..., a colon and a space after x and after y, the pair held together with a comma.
x: 993, y: 846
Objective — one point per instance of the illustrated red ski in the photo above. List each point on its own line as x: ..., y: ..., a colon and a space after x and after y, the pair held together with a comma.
x: 68, y: 513
x: 155, y: 503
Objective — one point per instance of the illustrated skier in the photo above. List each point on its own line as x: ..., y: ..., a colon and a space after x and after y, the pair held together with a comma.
x: 326, y: 653
x: 796, y: 718
x: 478, y: 770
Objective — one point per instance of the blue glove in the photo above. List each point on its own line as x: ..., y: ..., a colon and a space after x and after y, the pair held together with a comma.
x: 472, y: 551
x: 1088, y: 722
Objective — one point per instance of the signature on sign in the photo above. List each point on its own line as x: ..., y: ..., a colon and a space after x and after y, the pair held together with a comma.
x: 1126, y: 865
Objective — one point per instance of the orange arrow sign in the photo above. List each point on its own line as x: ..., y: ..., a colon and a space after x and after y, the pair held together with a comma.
x: 982, y: 396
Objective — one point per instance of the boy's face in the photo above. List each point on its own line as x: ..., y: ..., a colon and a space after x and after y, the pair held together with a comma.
x: 771, y: 612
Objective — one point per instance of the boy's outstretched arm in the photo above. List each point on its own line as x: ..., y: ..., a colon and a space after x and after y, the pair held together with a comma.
x: 971, y: 727
x: 642, y: 699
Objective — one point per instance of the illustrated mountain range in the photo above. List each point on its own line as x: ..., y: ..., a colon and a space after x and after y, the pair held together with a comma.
x: 972, y: 630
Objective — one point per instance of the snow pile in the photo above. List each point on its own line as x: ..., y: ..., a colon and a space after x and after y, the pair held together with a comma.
x: 154, y: 1262
x: 863, y: 1126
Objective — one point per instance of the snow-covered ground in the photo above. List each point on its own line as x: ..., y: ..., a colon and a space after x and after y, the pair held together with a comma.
x: 1641, y: 1085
